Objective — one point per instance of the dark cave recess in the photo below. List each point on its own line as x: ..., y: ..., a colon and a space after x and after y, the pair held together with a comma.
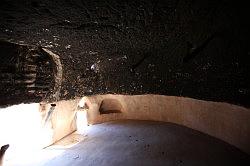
x: 26, y: 74
x: 196, y: 48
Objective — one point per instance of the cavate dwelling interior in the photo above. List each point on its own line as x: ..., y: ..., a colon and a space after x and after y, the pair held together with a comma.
x: 124, y: 83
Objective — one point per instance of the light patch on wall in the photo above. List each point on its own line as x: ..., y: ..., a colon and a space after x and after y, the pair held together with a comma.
x: 19, y: 124
x: 81, y: 121
x: 81, y: 114
x: 21, y: 128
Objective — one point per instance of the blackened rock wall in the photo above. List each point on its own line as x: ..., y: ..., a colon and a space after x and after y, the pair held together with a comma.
x: 26, y: 74
x: 189, y: 48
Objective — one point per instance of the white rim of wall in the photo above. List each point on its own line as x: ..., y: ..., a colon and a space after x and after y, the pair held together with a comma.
x: 59, y: 73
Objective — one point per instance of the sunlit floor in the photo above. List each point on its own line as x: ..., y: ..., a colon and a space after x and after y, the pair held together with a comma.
x: 135, y: 143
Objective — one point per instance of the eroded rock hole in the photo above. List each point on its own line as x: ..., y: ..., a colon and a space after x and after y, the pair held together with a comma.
x: 26, y: 74
x: 110, y: 106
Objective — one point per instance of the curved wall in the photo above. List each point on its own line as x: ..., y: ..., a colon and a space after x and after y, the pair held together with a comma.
x: 227, y: 122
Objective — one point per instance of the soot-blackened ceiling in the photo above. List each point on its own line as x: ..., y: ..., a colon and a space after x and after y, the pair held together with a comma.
x: 195, y: 48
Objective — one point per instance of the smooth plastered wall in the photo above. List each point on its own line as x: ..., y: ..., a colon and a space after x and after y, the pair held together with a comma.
x: 227, y: 122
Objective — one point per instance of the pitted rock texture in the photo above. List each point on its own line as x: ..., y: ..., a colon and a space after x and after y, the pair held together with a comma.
x: 26, y: 74
x: 198, y: 49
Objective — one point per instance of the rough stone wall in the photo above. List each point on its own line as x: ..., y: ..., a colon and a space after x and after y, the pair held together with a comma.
x: 189, y: 48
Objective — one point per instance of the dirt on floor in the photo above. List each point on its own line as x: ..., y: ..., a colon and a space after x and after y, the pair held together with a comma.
x: 137, y: 143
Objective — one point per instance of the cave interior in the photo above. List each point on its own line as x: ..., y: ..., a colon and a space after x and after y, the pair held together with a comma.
x: 133, y: 82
